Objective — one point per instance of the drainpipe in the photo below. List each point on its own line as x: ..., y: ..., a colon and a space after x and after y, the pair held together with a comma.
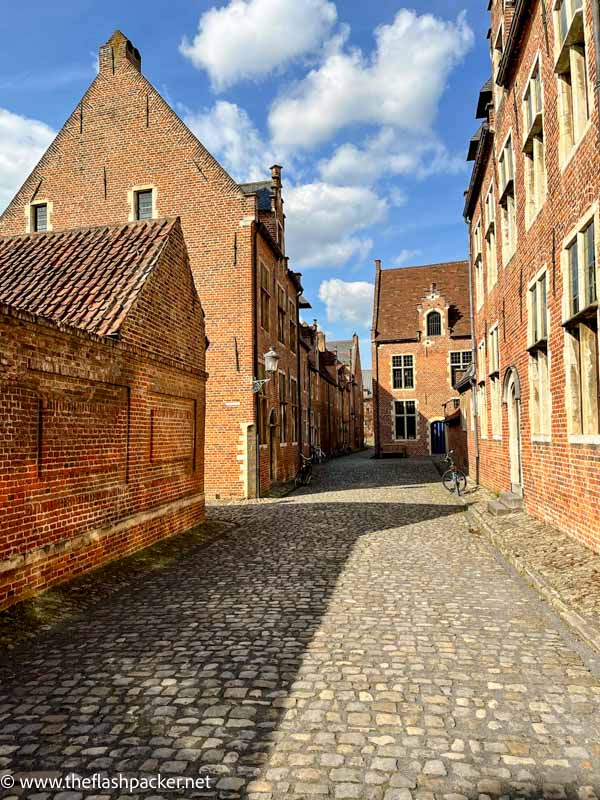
x: 473, y: 357
x: 596, y: 19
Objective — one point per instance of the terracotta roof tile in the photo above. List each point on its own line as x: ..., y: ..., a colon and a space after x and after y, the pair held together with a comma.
x: 401, y: 290
x: 88, y: 278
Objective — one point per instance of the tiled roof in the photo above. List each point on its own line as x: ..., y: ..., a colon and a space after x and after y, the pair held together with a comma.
x: 88, y: 278
x: 343, y: 350
x: 401, y: 290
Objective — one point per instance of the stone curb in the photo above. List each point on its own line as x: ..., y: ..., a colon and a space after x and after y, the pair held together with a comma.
x: 589, y: 633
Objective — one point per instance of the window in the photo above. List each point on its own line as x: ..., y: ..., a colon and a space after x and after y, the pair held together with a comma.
x: 293, y: 334
x: 405, y: 412
x: 282, y: 407
x: 533, y: 146
x: 262, y: 407
x: 508, y: 208
x: 39, y: 217
x: 434, y: 324
x: 143, y: 204
x: 494, y: 376
x: 478, y: 261
x: 294, y: 404
x: 403, y: 374
x: 581, y: 270
x: 571, y: 68
x: 494, y: 351
x: 497, y: 50
x: 459, y: 362
x: 265, y: 297
x: 581, y: 332
x: 481, y: 365
x: 539, y: 373
x: 538, y: 310
x: 482, y: 407
x: 281, y: 311
x: 490, y: 238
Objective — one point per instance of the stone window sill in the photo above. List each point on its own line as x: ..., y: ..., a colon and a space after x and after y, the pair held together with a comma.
x: 585, y: 439
x: 540, y: 438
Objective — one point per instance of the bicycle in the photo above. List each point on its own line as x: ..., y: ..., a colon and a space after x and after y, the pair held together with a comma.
x: 304, y: 477
x: 453, y: 479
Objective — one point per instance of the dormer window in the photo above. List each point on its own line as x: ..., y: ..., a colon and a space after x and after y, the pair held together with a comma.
x: 434, y: 324
x: 143, y: 204
x: 39, y: 217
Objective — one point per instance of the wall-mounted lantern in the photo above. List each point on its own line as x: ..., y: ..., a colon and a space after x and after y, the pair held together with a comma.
x: 271, y: 362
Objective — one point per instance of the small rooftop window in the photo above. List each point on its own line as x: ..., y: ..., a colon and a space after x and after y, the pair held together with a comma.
x: 434, y: 324
x: 143, y: 204
x: 40, y: 217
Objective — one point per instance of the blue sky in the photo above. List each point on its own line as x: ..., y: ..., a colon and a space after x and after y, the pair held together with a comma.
x: 368, y: 106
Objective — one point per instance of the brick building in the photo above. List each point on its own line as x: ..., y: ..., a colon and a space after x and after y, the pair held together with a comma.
x: 123, y: 155
x: 533, y: 211
x: 369, y: 430
x: 350, y: 375
x: 421, y: 338
x: 102, y: 399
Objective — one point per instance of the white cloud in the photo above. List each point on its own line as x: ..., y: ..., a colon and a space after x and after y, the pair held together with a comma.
x: 348, y: 301
x: 228, y: 133
x: 399, y: 84
x: 22, y: 143
x: 251, y: 38
x: 390, y: 152
x: 324, y: 222
x: 405, y: 256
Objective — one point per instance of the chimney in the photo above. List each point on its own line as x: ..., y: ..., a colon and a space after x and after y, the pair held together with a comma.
x: 276, y: 176
x: 377, y: 265
x: 116, y: 51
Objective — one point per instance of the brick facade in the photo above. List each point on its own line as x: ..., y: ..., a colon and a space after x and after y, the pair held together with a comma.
x: 102, y: 435
x: 123, y: 138
x: 534, y: 421
x: 412, y: 362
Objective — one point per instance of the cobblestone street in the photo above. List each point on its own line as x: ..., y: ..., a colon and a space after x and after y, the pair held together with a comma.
x: 353, y: 640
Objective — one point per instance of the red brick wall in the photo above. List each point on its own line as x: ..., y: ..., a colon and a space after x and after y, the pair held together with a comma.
x: 102, y: 441
x: 432, y: 383
x: 285, y: 454
x: 123, y: 135
x: 561, y: 479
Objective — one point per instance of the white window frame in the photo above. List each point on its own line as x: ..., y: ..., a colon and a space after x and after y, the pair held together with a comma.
x: 132, y: 200
x: 394, y: 415
x: 413, y: 366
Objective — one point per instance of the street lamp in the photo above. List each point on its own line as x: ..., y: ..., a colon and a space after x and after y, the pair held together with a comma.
x: 271, y: 362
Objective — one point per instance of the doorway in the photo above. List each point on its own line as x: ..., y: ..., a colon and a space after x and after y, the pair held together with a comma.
x: 513, y: 404
x: 438, y: 438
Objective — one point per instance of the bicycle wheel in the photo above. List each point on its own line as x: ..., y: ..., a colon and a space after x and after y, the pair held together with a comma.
x: 461, y: 480
x: 448, y: 480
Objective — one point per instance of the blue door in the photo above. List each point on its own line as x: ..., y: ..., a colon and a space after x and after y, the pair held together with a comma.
x: 438, y: 438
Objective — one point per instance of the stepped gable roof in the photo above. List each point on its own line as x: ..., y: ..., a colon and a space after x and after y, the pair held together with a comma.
x: 402, y: 290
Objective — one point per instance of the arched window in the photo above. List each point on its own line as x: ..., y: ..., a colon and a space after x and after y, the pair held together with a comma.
x: 434, y: 324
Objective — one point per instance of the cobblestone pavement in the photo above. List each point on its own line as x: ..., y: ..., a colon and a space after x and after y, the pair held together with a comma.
x: 567, y: 567
x: 354, y: 640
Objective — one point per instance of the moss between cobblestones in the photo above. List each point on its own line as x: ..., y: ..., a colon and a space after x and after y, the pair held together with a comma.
x: 64, y: 602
